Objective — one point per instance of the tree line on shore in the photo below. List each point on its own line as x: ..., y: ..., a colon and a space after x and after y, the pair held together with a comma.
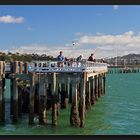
x: 8, y: 57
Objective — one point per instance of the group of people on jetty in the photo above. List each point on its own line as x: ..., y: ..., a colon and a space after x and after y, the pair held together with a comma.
x: 60, y: 58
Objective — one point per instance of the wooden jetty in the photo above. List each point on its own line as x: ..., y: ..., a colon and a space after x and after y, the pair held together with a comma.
x: 123, y: 70
x: 42, y: 86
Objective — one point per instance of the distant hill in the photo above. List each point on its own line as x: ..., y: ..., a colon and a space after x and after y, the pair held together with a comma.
x: 129, y: 59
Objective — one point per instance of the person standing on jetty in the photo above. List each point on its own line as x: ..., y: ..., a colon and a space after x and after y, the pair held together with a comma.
x: 91, y: 58
x: 60, y: 59
x: 79, y: 58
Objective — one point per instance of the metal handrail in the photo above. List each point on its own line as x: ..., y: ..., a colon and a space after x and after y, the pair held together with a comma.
x: 67, y: 66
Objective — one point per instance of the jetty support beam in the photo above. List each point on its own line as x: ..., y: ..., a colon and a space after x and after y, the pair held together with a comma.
x: 82, y: 108
x: 74, y: 114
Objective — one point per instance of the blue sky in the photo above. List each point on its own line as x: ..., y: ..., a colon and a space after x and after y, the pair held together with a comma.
x: 55, y: 27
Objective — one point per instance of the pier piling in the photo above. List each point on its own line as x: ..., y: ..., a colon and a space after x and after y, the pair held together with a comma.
x: 92, y: 91
x: 42, y: 102
x: 70, y: 92
x: 99, y: 86
x: 104, y: 84
x: 96, y: 87
x: 2, y: 92
x: 88, y: 103
x: 74, y: 114
x: 15, y: 92
x: 31, y: 98
x: 54, y: 86
x: 82, y: 107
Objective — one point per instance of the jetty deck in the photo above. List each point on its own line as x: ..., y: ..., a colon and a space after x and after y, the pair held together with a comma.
x: 41, y: 86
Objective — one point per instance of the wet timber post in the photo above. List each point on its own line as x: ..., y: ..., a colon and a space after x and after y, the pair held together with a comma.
x: 88, y: 103
x: 70, y: 92
x: 78, y: 90
x: 92, y: 91
x: 31, y: 98
x: 89, y: 92
x: 2, y: 91
x: 14, y: 92
x: 104, y: 83
x: 99, y: 85
x: 49, y: 96
x: 82, y: 108
x: 36, y: 101
x: 26, y: 68
x: 54, y: 86
x: 11, y: 89
x: 20, y: 67
x: 20, y: 92
x: 64, y: 95
x: 58, y: 97
x: 96, y: 87
x: 74, y: 114
x: 42, y: 101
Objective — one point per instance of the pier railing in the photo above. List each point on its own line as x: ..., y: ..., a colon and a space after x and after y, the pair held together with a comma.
x: 67, y: 66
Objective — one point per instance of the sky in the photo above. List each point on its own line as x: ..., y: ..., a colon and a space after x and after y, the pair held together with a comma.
x: 107, y: 30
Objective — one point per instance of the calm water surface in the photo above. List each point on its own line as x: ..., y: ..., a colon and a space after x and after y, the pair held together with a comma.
x: 115, y: 113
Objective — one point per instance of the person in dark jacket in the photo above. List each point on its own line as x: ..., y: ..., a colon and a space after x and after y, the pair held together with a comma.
x: 91, y: 58
x: 60, y: 59
x: 79, y: 58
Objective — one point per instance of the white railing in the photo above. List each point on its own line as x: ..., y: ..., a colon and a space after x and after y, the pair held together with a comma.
x: 67, y: 66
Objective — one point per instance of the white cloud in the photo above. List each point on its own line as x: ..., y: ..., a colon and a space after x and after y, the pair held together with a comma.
x: 108, y: 45
x: 11, y: 19
x: 105, y: 39
x: 115, y: 7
